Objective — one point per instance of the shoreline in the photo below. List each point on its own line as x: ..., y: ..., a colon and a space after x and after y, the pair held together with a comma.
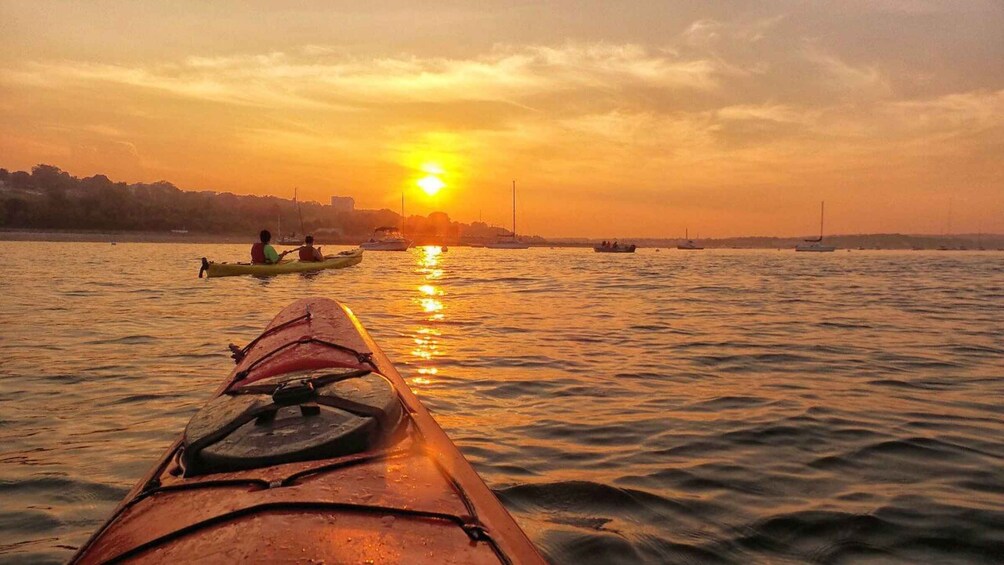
x: 85, y: 236
x: 926, y: 243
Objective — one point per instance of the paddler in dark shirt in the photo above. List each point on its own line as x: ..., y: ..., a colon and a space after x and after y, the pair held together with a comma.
x: 308, y: 252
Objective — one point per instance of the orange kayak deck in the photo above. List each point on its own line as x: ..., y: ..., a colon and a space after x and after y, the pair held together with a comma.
x: 411, y: 499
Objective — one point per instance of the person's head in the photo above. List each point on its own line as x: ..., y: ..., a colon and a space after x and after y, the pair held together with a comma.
x: 265, y: 236
x: 309, y: 240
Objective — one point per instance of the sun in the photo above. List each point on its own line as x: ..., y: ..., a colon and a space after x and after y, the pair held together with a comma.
x: 431, y: 184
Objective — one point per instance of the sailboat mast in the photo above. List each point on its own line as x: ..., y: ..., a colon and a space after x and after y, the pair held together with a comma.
x: 402, y: 212
x: 950, y: 201
x: 822, y: 212
x: 514, y: 208
x: 299, y: 211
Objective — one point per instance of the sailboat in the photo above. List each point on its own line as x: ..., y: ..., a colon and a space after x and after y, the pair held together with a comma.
x: 290, y: 238
x: 816, y: 244
x: 509, y: 241
x: 689, y: 244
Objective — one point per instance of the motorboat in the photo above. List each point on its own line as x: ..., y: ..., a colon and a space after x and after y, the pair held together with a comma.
x: 386, y: 239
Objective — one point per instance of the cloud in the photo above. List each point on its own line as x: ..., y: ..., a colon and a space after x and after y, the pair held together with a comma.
x: 317, y: 77
x: 898, y: 6
x: 858, y: 81
x: 972, y: 111
x: 765, y: 112
x: 709, y: 32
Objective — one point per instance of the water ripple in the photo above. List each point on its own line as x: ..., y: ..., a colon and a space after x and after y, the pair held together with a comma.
x: 713, y: 407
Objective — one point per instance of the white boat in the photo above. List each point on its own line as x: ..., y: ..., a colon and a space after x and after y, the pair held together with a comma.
x: 289, y: 239
x: 509, y: 241
x: 816, y: 245
x: 386, y: 239
x: 689, y: 244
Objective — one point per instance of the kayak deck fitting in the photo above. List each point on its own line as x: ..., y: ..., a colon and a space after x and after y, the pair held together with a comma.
x: 313, y: 450
x: 339, y: 261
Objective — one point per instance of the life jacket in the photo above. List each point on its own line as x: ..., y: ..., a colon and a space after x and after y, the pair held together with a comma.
x: 307, y: 254
x: 258, y: 253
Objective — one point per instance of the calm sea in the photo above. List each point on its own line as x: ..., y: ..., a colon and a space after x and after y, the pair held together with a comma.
x: 663, y: 407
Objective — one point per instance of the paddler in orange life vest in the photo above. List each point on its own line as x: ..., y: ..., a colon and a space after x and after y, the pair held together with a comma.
x: 264, y: 254
x: 308, y: 252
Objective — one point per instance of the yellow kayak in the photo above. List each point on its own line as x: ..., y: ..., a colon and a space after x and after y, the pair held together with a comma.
x: 339, y: 261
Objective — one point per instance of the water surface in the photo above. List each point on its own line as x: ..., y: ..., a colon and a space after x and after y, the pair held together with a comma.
x: 671, y: 406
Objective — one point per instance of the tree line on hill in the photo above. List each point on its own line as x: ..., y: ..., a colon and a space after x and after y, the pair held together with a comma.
x: 50, y: 198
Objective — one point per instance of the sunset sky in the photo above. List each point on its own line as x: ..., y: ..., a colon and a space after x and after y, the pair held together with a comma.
x: 616, y: 118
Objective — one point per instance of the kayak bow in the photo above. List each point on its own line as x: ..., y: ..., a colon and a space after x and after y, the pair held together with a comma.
x: 314, y: 449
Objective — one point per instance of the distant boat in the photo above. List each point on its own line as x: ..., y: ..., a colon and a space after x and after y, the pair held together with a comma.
x: 386, y: 239
x: 509, y: 241
x: 689, y: 244
x: 290, y: 238
x: 616, y: 248
x: 181, y: 231
x: 816, y: 245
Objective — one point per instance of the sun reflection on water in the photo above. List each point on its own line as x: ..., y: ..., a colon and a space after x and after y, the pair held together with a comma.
x: 429, y: 301
x: 431, y: 305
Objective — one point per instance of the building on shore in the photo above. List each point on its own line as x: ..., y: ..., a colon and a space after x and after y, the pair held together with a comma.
x: 343, y: 203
